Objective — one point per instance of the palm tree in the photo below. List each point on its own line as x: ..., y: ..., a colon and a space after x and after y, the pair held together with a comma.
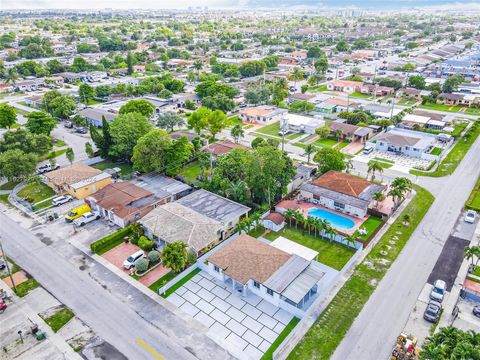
x: 324, y: 227
x: 237, y: 191
x: 11, y: 76
x: 331, y: 232
x: 256, y: 217
x: 289, y: 214
x: 373, y: 167
x: 338, y: 134
x: 470, y: 253
x: 378, y: 196
x: 240, y: 227
x: 298, y: 218
x: 396, y: 194
x: 309, y: 150
x: 310, y: 223
x: 318, y: 226
x: 296, y: 75
x: 348, y: 165
x: 351, y: 239
x: 198, y: 65
x: 237, y: 132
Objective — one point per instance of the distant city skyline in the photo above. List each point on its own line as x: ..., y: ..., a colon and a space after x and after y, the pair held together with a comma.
x: 178, y: 4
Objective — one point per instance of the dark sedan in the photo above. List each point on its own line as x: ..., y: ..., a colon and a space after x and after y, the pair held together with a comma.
x: 432, y: 312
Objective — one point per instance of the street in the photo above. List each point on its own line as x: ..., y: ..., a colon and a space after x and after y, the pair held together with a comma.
x: 116, y: 321
x: 374, y: 331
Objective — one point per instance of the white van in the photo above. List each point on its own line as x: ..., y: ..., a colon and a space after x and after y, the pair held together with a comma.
x: 130, y: 262
x: 367, y: 150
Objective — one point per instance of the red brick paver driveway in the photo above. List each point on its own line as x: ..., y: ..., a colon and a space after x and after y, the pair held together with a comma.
x: 154, y: 275
x: 120, y: 253
x: 19, y: 277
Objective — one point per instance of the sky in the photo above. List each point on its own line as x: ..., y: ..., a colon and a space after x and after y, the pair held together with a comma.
x: 125, y: 4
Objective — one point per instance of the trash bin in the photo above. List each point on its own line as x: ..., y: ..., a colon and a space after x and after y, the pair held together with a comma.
x: 40, y: 335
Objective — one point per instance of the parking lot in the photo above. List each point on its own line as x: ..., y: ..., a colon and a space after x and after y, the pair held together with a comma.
x: 244, y: 325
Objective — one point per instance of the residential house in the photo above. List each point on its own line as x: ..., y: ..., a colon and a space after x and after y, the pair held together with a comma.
x: 345, y: 193
x: 162, y: 186
x: 376, y: 90
x: 69, y: 77
x: 35, y: 101
x: 335, y: 105
x: 28, y: 85
x: 251, y: 266
x: 223, y: 147
x: 303, y: 124
x: 350, y: 132
x: 452, y: 99
x: 78, y: 180
x: 274, y: 221
x: 94, y: 115
x: 345, y: 86
x: 264, y: 114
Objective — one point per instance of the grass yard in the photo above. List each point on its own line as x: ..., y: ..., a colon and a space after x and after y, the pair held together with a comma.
x: 59, y: 319
x: 9, y: 185
x: 272, y: 129
x: 473, y: 201
x: 325, y: 142
x: 59, y: 142
x: 259, y: 230
x: 360, y: 95
x: 332, y: 254
x: 441, y: 107
x: 407, y: 102
x: 453, y: 158
x: 181, y: 282
x: 383, y: 160
x: 24, y: 288
x: 293, y: 136
x: 342, y: 145
x: 305, y: 139
x: 4, y: 199
x: 234, y: 120
x: 268, y: 355
x: 473, y: 111
x: 370, y: 225
x: 126, y: 169
x: 94, y: 102
x: 162, y: 281
x: 436, y: 151
x: 190, y: 172
x: 55, y: 154
x: 383, y: 165
x: 327, y: 332
x: 318, y: 88
x: 36, y: 192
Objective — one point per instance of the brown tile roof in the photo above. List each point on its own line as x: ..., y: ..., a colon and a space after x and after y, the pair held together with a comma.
x: 247, y: 258
x: 275, y: 217
x: 342, y: 183
x: 223, y: 147
x: 255, y: 111
x: 72, y: 174
x: 398, y: 140
x: 347, y: 129
x: 120, y: 198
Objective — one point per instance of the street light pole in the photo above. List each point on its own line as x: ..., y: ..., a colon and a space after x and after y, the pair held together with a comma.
x: 8, y: 267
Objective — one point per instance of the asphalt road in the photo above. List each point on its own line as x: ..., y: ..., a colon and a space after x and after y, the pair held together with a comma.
x: 384, y: 316
x: 115, y: 321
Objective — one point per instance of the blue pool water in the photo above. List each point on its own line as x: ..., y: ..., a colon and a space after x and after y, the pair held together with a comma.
x: 335, y: 220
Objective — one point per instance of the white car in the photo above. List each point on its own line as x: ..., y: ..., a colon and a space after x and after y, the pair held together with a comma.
x: 46, y: 168
x: 470, y: 216
x: 86, y: 218
x: 60, y: 200
x: 130, y: 262
x: 438, y: 290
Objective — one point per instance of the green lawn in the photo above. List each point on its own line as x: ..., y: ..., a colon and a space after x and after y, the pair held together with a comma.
x: 4, y: 199
x: 332, y: 254
x: 257, y: 232
x: 9, y: 185
x: 342, y: 145
x: 234, y: 120
x: 318, y: 88
x: 24, y: 288
x: 56, y: 153
x: 436, y: 151
x: 370, y: 225
x: 33, y: 193
x: 325, y: 142
x: 162, y: 281
x: 383, y: 160
x: 453, y: 158
x: 473, y: 111
x: 305, y: 139
x: 190, y: 172
x: 94, y: 102
x: 441, y: 107
x: 293, y: 136
x: 473, y: 201
x: 477, y: 271
x: 59, y: 319
x: 327, y: 332
x: 181, y: 282
x: 272, y: 129
x: 382, y: 164
x: 287, y: 330
x: 59, y: 142
x: 126, y: 169
x: 360, y: 95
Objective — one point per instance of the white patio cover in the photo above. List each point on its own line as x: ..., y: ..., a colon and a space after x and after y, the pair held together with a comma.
x: 292, y: 247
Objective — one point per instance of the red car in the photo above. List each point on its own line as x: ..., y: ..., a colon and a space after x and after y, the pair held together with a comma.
x: 3, y: 306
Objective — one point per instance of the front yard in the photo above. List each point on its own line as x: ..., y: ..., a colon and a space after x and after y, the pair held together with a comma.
x: 473, y: 201
x: 330, y: 253
x: 441, y: 107
x: 371, y: 225
x: 272, y: 129
x: 327, y: 332
x: 36, y: 192
x: 59, y: 318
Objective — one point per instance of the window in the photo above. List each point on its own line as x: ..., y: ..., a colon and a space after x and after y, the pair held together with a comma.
x: 339, y: 205
x: 256, y: 284
x: 216, y: 268
x: 270, y: 292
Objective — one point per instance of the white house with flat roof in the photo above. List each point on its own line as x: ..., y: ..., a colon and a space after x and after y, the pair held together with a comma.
x: 303, y: 124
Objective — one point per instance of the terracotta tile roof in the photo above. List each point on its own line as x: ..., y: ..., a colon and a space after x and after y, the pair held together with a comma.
x: 247, y: 258
x: 342, y: 183
x: 123, y: 198
x: 223, y: 147
x: 72, y: 174
x: 255, y: 111
x: 345, y: 83
x: 275, y: 217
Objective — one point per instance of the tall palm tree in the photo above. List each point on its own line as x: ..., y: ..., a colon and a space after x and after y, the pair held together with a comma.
x: 396, y: 194
x: 338, y: 134
x: 298, y: 218
x: 378, y: 196
x: 296, y: 75
x: 237, y: 132
x: 11, y: 76
x: 310, y: 223
x: 373, y: 167
x: 470, y: 253
x: 240, y: 227
x: 324, y: 227
x: 318, y: 226
x: 237, y: 191
x: 289, y: 215
x: 348, y: 165
x: 309, y: 150
x: 351, y: 240
x: 256, y: 217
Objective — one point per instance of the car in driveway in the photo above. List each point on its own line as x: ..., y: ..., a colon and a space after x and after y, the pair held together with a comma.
x: 432, y: 312
x: 130, y: 261
x: 60, y: 200
x: 46, y: 168
x: 438, y: 290
x: 86, y: 218
x: 470, y: 216
x: 476, y: 311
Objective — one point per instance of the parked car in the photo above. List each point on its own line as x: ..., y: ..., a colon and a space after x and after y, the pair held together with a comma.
x: 81, y: 130
x: 3, y: 306
x: 76, y: 213
x: 476, y: 311
x: 367, y: 150
x: 2, y: 265
x: 438, y: 290
x: 86, y: 218
x: 470, y: 216
x: 432, y: 312
x: 68, y: 124
x: 130, y: 262
x: 60, y: 200
x: 46, y: 168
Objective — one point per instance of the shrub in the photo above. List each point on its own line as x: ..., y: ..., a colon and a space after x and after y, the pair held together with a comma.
x: 110, y: 241
x: 134, y: 239
x: 145, y: 244
x: 154, y: 256
x: 141, y: 265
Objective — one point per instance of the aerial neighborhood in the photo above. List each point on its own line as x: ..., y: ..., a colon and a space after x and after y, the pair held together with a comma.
x: 240, y: 183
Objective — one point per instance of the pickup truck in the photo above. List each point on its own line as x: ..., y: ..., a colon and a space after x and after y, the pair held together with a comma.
x: 46, y: 168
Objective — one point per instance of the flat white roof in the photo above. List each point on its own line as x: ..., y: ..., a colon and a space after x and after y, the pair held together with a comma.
x: 90, y: 181
x: 416, y: 119
x: 387, y: 114
x: 293, y: 248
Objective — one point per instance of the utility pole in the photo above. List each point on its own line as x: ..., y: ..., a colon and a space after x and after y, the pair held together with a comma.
x: 283, y: 128
x: 8, y: 267
x: 393, y: 105
x: 348, y: 103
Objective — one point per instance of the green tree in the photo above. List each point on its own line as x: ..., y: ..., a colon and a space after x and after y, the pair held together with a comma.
x: 451, y: 343
x: 309, y: 150
x: 142, y: 107
x: 47, y: 99
x: 8, y: 116
x: 321, y: 65
x: 89, y: 150
x: 39, y: 122
x: 315, y: 52
x: 178, y: 154
x: 452, y: 83
x: 169, y: 120
x: 130, y: 63
x: 296, y: 75
x: 342, y: 46
x: 86, y: 93
x: 150, y: 152
x: 198, y: 120
x: 70, y: 155
x: 63, y: 106
x: 125, y: 131
x: 374, y: 167
x: 417, y: 82
x: 237, y: 132
x: 174, y: 256
x: 15, y: 165
x: 216, y: 122
x: 219, y: 102
x: 329, y: 159
x: 323, y: 132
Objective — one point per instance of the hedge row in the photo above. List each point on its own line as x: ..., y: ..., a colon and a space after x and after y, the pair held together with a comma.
x: 110, y: 241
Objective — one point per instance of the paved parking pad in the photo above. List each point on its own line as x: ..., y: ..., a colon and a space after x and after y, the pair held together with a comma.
x: 245, y: 325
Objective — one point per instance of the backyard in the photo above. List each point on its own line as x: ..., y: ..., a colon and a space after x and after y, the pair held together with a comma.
x: 330, y: 253
x: 327, y: 332
x: 190, y: 172
x: 126, y: 169
x: 371, y: 225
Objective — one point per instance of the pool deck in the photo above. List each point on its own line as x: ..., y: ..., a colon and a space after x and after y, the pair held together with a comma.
x: 305, y: 206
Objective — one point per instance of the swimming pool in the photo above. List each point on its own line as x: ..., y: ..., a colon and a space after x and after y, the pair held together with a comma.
x: 335, y: 220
